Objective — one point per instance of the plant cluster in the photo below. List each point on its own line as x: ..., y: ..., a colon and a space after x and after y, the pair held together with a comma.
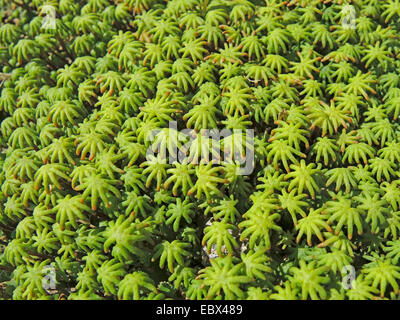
x: 80, y: 101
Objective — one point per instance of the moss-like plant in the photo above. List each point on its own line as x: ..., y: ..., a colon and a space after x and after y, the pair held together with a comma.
x: 184, y: 149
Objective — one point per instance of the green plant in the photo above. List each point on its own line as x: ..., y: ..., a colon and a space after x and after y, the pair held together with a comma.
x: 108, y: 122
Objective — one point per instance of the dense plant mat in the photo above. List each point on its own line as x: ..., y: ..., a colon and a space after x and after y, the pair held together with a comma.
x: 96, y: 98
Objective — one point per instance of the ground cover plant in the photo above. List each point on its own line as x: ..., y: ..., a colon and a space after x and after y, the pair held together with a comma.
x: 97, y: 96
